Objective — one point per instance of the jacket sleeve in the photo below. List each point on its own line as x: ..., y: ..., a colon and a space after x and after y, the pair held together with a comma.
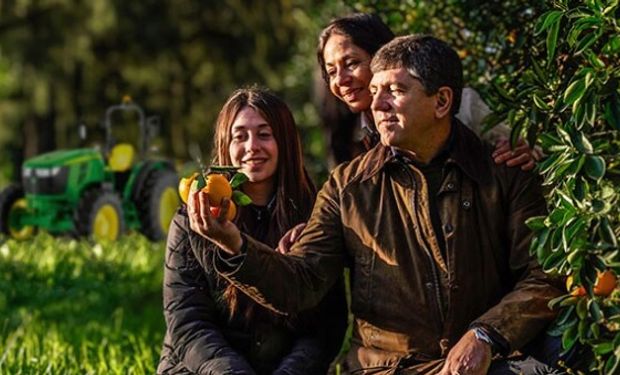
x: 523, y: 312
x: 325, y: 328
x: 190, y: 312
x: 300, y: 279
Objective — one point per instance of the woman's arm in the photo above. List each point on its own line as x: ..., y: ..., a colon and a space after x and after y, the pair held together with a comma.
x: 194, y: 333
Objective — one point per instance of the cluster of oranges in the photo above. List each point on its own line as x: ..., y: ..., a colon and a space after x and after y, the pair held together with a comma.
x: 606, y: 282
x: 217, y: 188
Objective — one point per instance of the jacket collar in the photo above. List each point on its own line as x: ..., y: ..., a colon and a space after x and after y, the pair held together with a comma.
x: 467, y: 152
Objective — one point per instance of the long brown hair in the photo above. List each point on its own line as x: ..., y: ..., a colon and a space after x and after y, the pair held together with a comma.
x: 294, y: 190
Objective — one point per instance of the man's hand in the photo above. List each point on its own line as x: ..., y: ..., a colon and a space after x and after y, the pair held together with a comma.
x: 469, y: 356
x: 217, y: 229
x: 522, y: 155
x: 289, y: 238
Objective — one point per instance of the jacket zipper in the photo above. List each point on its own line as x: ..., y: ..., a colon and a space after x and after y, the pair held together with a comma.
x: 434, y: 271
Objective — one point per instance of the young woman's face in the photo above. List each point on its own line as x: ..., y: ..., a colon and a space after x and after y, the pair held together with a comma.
x: 348, y: 69
x: 253, y: 146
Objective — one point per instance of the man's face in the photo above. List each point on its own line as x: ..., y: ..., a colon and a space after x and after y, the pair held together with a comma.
x: 402, y: 111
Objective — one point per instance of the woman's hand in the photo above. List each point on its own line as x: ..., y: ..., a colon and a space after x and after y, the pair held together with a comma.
x: 289, y: 238
x: 522, y: 155
x: 218, y: 229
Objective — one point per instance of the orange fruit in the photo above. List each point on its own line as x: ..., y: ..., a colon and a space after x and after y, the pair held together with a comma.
x: 185, y: 186
x: 230, y: 215
x: 605, y: 283
x: 217, y: 188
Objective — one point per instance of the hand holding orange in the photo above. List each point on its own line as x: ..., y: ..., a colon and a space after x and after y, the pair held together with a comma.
x: 217, y: 188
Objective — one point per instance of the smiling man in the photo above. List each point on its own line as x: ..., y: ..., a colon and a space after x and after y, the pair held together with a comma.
x: 431, y: 228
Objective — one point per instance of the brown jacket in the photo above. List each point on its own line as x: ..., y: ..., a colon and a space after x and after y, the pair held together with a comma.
x: 411, y: 305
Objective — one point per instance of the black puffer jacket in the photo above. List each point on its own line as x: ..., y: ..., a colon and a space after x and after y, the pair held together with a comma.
x: 201, y: 338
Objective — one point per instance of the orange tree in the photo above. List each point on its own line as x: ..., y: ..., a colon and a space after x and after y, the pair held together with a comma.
x: 567, y: 98
x: 551, y: 69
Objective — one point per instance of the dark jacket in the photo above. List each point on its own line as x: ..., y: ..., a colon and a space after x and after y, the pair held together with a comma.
x: 410, y: 303
x: 201, y: 338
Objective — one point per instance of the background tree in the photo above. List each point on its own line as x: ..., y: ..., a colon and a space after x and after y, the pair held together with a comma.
x: 64, y: 62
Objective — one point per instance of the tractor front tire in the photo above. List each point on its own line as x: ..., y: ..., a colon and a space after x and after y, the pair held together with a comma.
x: 157, y: 202
x: 99, y: 215
x: 13, y: 202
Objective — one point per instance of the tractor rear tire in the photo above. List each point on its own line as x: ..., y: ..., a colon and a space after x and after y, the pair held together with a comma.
x: 11, y: 200
x: 99, y: 215
x: 157, y: 202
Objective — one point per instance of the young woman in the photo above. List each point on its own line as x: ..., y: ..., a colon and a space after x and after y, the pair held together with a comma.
x: 212, y: 328
x: 344, y: 51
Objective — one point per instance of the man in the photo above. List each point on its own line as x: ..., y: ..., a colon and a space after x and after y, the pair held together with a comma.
x: 432, y: 229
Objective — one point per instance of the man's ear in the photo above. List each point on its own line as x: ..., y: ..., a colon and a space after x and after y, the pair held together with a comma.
x: 444, y: 101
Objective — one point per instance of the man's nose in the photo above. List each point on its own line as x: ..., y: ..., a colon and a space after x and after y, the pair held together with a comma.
x: 379, y: 102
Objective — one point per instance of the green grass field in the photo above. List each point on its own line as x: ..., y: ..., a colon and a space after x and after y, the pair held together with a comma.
x: 74, y: 307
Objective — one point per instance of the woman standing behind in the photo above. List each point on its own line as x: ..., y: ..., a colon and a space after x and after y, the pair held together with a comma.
x: 344, y: 51
x: 212, y: 328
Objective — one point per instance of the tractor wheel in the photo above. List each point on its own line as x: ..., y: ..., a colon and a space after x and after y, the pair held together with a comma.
x: 99, y: 215
x: 13, y: 204
x: 157, y: 202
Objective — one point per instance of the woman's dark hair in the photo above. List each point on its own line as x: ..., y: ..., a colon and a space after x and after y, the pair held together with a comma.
x: 366, y: 31
x: 294, y: 190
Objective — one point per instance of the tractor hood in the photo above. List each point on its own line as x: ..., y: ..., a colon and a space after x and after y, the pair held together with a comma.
x: 62, y: 157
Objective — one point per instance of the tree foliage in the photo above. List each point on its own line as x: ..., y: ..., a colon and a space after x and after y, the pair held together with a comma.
x: 63, y: 62
x: 550, y: 69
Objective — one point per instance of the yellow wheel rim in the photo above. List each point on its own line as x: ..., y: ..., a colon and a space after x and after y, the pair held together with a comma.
x: 22, y: 232
x: 168, y: 204
x: 107, y: 223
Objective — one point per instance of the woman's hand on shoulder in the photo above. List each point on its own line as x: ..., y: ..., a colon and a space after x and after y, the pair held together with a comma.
x: 218, y: 229
x: 289, y: 238
x: 522, y: 155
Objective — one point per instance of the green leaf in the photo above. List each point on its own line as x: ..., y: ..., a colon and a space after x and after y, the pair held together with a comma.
x: 557, y: 300
x: 613, y: 45
x: 569, y: 337
x: 542, y: 77
x: 603, y: 348
x: 515, y: 132
x: 552, y: 40
x: 240, y: 198
x: 574, y: 91
x: 541, y: 104
x: 582, y: 308
x: 595, y: 167
x: 607, y: 233
x: 238, y: 179
x: 574, y: 229
x: 612, y: 112
x: 586, y: 42
x: 611, y: 366
x: 535, y: 222
x: 582, y: 188
x: 583, y: 144
x: 595, y: 311
x: 546, y: 20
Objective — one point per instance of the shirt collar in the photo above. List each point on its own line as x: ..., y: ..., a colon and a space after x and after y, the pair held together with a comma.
x: 463, y: 149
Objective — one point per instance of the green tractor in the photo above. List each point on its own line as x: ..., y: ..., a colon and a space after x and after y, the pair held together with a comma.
x: 94, y: 193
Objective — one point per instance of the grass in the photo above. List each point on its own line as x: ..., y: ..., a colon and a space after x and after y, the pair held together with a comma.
x: 75, y: 307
